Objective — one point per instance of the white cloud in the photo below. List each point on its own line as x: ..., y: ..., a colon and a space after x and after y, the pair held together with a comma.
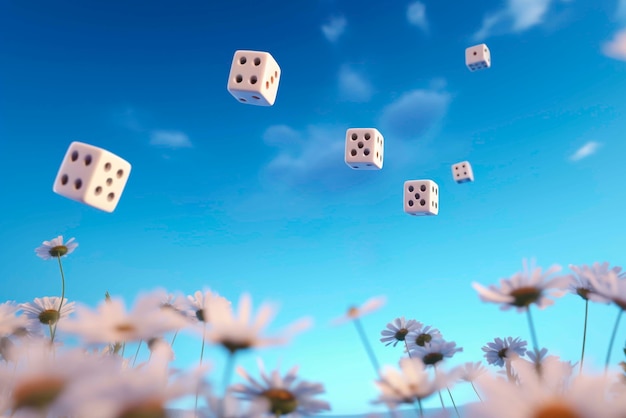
x: 312, y: 159
x: 585, y: 151
x: 416, y: 15
x: 353, y: 87
x: 170, y: 139
x: 517, y: 16
x: 414, y: 113
x: 616, y: 48
x: 334, y: 28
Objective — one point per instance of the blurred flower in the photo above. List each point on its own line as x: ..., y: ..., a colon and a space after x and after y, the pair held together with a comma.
x: 435, y: 351
x: 551, y: 394
x: 420, y: 335
x: 284, y: 396
x: 525, y: 288
x: 232, y: 407
x: 200, y: 301
x: 499, y: 350
x: 581, y: 280
x: 470, y: 371
x: 612, y: 287
x: 10, y: 322
x: 410, y: 384
x: 355, y: 312
x: 110, y: 322
x: 46, y: 309
x: 397, y: 330
x: 239, y: 331
x: 55, y: 248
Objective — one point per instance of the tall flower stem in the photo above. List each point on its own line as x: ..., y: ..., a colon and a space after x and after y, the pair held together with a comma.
x: 419, y: 403
x: 368, y: 347
x: 174, y: 339
x: 443, y: 406
x: 137, y: 352
x: 533, y: 334
x: 54, y: 330
x: 608, y: 354
x: 195, y: 408
x: 477, y: 394
x: 582, y: 354
x: 407, y: 348
x: 453, y: 403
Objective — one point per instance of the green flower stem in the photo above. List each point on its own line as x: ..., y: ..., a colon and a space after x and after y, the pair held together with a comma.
x: 453, y: 403
x: 533, y: 334
x: 407, y: 348
x: 443, y: 406
x: 608, y: 354
x: 137, y: 352
x: 174, y: 339
x: 475, y: 391
x: 54, y: 330
x: 367, y: 346
x: 419, y: 403
x: 582, y: 354
x: 195, y: 408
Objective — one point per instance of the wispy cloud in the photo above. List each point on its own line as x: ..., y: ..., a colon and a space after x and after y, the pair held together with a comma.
x: 414, y: 113
x: 353, y: 86
x: 334, y: 28
x: 311, y: 159
x: 616, y: 47
x: 585, y: 151
x: 170, y: 139
x: 517, y: 16
x: 416, y: 15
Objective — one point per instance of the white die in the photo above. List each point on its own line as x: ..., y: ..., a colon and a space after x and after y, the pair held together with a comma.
x: 462, y: 172
x: 254, y: 78
x: 92, y: 175
x: 421, y: 197
x: 477, y: 57
x: 364, y: 148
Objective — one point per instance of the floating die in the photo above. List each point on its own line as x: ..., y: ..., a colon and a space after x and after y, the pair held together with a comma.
x: 254, y: 78
x: 421, y: 197
x: 364, y: 149
x: 462, y: 172
x: 93, y: 176
x: 477, y: 57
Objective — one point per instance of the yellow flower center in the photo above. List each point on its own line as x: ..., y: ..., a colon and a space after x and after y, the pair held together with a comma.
x: 49, y: 316
x: 281, y: 401
x: 38, y: 393
x: 353, y: 312
x: 401, y: 334
x: 150, y: 409
x: 525, y: 296
x: 58, y: 251
x: 125, y: 328
x: 431, y: 359
x: 422, y: 339
x: 555, y: 410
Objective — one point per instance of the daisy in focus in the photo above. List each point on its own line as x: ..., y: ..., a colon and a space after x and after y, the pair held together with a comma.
x: 422, y: 335
x: 525, y: 288
x: 501, y: 350
x: 55, y: 248
x: 435, y: 351
x: 283, y: 395
x: 46, y: 309
x: 397, y: 331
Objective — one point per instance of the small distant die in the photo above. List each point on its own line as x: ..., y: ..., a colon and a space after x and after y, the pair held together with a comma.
x: 462, y: 172
x: 421, y: 197
x: 477, y: 57
x: 364, y: 149
x: 93, y: 176
x: 254, y: 78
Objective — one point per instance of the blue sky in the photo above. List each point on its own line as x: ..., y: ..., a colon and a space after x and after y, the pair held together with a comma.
x: 240, y: 198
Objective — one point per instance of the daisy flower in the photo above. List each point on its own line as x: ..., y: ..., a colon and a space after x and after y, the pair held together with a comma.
x: 355, y: 312
x: 412, y: 383
x: 499, y: 350
x: 46, y: 309
x: 397, y: 330
x: 435, y: 351
x: 10, y: 322
x: 611, y: 287
x: 199, y: 303
x: 420, y: 335
x: 55, y: 248
x: 240, y: 331
x: 581, y: 281
x: 525, y: 288
x: 470, y: 371
x: 282, y: 393
x: 111, y: 322
x: 233, y: 407
x: 552, y: 394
